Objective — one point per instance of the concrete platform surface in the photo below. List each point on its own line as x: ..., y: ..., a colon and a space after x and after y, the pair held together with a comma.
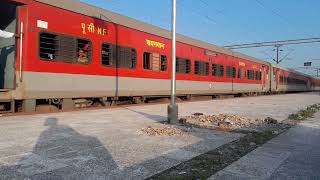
x: 292, y: 155
x: 105, y: 143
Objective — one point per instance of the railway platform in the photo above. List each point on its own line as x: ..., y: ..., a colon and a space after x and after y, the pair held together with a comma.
x: 108, y: 144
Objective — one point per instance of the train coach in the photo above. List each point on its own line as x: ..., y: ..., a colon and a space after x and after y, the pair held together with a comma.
x: 287, y: 80
x: 65, y: 54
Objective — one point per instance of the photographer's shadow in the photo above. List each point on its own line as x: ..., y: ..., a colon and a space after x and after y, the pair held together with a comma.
x: 63, y: 153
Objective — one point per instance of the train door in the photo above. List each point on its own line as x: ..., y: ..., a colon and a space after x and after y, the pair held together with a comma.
x: 277, y: 78
x: 264, y: 77
x: 8, y: 28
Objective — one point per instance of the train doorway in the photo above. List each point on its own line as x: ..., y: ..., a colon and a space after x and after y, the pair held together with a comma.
x: 264, y: 76
x: 8, y: 27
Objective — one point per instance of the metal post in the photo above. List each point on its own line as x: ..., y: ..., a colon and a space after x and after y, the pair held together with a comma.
x: 277, y: 60
x: 20, y: 52
x: 173, y: 107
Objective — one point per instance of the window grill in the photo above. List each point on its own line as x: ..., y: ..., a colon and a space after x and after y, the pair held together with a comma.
x: 49, y: 46
x: 106, y: 55
x: 217, y: 70
x: 201, y: 68
x: 231, y: 72
x: 250, y: 74
x: 163, y: 63
x: 183, y: 66
x: 63, y: 48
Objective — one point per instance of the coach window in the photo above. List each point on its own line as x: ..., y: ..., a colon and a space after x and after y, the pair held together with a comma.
x: 241, y: 73
x: 146, y: 60
x: 106, y: 50
x: 217, y: 70
x: 197, y: 67
x: 154, y: 61
x: 250, y: 74
x: 183, y: 66
x: 48, y: 46
x: 201, y: 68
x: 207, y: 69
x: 126, y: 57
x: 258, y: 75
x: 231, y: 72
x: 163, y: 63
x: 63, y: 48
x: 84, y: 51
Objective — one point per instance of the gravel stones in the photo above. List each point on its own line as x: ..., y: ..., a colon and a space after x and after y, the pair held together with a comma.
x: 230, y: 122
x: 161, y: 131
x: 224, y: 121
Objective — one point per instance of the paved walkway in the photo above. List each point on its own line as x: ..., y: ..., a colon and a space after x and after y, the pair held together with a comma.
x: 105, y: 143
x: 292, y: 155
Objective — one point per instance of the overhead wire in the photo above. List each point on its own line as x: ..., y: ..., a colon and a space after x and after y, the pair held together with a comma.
x: 205, y: 15
x: 276, y: 13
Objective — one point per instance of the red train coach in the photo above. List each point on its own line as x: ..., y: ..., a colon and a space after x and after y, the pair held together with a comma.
x: 315, y: 84
x: 287, y: 80
x: 69, y: 52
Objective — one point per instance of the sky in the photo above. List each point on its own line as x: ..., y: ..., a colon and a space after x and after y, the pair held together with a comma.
x: 228, y: 22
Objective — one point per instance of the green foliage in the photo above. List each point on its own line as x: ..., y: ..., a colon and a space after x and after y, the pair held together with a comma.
x: 263, y: 137
x: 306, y: 113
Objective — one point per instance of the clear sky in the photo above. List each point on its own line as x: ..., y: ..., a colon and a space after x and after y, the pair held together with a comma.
x: 225, y: 22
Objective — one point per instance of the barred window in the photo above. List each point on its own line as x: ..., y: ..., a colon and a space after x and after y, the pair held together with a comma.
x: 231, y: 72
x: 258, y: 75
x: 84, y: 51
x: 146, y: 60
x: 241, y: 73
x: 49, y: 46
x: 250, y: 74
x: 183, y: 66
x: 106, y: 55
x: 154, y: 61
x: 63, y: 48
x: 217, y: 70
x: 201, y: 68
x: 163, y: 63
x: 126, y: 57
x: 118, y: 56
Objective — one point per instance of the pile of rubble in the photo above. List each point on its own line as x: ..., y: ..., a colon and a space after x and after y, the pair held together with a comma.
x: 225, y: 121
x: 161, y: 131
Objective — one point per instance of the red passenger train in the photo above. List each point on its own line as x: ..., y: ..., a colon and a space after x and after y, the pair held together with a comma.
x: 67, y: 53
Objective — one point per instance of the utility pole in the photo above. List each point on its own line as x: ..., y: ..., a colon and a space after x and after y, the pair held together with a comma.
x: 277, y: 60
x: 173, y: 107
x: 276, y: 44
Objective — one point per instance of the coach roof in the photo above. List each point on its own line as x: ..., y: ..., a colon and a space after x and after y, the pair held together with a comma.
x: 92, y: 11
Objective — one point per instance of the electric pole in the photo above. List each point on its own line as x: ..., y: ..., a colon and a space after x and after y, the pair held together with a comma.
x: 277, y: 60
x: 173, y: 107
x: 276, y: 44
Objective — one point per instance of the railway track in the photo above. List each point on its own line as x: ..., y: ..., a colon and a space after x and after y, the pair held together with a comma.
x: 155, y: 101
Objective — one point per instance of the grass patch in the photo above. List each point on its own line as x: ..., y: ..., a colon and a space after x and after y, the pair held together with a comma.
x: 305, y: 113
x: 207, y: 164
x: 263, y: 137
